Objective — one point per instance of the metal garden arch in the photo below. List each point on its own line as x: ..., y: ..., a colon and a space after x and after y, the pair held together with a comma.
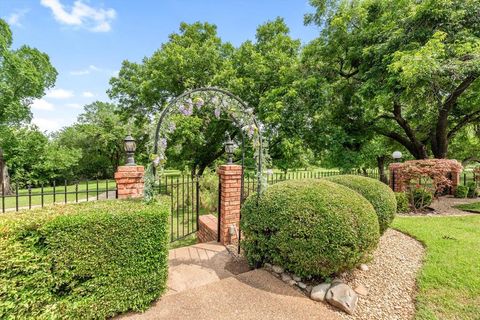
x: 224, y: 101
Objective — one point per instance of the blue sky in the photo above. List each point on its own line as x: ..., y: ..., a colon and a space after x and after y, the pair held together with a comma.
x: 88, y: 40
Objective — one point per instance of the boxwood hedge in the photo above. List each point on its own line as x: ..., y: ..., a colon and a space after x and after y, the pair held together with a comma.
x: 85, y: 261
x: 379, y: 194
x: 309, y: 227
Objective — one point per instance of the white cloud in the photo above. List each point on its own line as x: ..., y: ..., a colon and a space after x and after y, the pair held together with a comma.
x: 88, y: 94
x: 74, y: 105
x: 41, y: 104
x: 59, y: 94
x: 48, y: 124
x: 82, y: 15
x: 91, y: 68
x: 14, y: 18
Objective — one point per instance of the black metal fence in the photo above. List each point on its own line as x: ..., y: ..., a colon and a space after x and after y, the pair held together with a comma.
x: 16, y: 198
x: 250, y: 181
x: 184, y: 194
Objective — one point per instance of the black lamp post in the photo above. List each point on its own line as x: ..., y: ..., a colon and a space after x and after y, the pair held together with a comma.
x: 229, y: 149
x: 130, y: 147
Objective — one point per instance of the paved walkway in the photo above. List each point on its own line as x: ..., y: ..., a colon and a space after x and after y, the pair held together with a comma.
x: 207, y: 283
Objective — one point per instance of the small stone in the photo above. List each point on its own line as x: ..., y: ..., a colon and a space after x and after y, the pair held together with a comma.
x: 363, y: 267
x: 361, y: 290
x: 343, y: 297
x: 267, y: 266
x: 302, y: 285
x: 277, y: 269
x: 308, y: 289
x: 286, y: 277
x: 296, y: 278
x: 292, y: 282
x: 319, y: 291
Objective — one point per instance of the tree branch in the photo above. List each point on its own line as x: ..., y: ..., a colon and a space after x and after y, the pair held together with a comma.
x: 465, y: 120
x: 453, y: 97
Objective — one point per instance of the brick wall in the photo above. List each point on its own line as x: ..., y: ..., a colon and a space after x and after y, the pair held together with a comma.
x: 394, y: 181
x: 129, y: 181
x: 231, y: 182
x: 207, y: 228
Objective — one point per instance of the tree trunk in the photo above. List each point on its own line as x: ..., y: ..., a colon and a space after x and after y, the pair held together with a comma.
x: 381, y: 169
x: 5, y: 186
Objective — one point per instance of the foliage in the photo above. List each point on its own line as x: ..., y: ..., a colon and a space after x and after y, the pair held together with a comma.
x: 33, y: 159
x: 377, y: 193
x: 260, y: 73
x: 449, y: 282
x: 209, y: 192
x: 25, y: 74
x: 461, y: 192
x: 421, y: 198
x: 100, y: 123
x: 403, y: 204
x: 84, y: 261
x: 407, y: 70
x: 310, y: 227
x: 472, y: 189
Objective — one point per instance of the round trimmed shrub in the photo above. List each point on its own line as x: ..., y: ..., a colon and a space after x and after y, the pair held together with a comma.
x: 309, y: 227
x: 461, y: 192
x: 378, y: 193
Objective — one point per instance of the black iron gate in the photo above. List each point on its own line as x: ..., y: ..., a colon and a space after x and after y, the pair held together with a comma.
x: 184, y: 194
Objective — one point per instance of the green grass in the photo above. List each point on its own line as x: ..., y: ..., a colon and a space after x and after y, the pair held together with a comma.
x: 472, y: 207
x: 36, y: 199
x: 449, y: 282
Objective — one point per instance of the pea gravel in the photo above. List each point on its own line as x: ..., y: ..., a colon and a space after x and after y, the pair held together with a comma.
x: 390, y: 280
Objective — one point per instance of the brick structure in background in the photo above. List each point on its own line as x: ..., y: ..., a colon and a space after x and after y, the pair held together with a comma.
x: 207, y: 228
x: 129, y: 181
x: 397, y: 185
x: 230, y: 177
x: 394, y: 181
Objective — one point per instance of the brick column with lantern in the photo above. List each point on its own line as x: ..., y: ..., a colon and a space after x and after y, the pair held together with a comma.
x: 129, y: 178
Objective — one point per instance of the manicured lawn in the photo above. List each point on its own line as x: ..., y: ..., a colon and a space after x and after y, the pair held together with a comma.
x: 449, y: 282
x: 473, y: 207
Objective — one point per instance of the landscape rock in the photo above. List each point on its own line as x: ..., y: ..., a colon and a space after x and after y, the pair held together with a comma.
x: 319, y: 291
x: 361, y: 290
x: 267, y: 266
x: 296, y: 278
x: 278, y: 269
x: 286, y: 277
x: 343, y: 297
x: 302, y: 285
x: 363, y: 267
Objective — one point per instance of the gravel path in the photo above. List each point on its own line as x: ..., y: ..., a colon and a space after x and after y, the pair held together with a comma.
x: 390, y: 280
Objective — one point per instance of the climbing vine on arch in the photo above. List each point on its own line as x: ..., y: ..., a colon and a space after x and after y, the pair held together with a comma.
x: 224, y: 105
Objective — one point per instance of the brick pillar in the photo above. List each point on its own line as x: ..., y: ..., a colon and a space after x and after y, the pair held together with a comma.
x: 231, y: 182
x: 395, y: 182
x: 455, y: 181
x: 129, y: 181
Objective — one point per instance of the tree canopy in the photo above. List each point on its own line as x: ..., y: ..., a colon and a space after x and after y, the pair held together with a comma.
x: 25, y: 74
x: 407, y: 70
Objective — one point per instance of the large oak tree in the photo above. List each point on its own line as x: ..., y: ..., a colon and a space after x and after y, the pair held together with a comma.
x: 404, y: 69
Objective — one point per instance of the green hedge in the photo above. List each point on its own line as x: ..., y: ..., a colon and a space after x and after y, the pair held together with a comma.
x: 84, y: 261
x: 309, y: 227
x: 403, y: 204
x: 378, y: 193
x: 461, y: 192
